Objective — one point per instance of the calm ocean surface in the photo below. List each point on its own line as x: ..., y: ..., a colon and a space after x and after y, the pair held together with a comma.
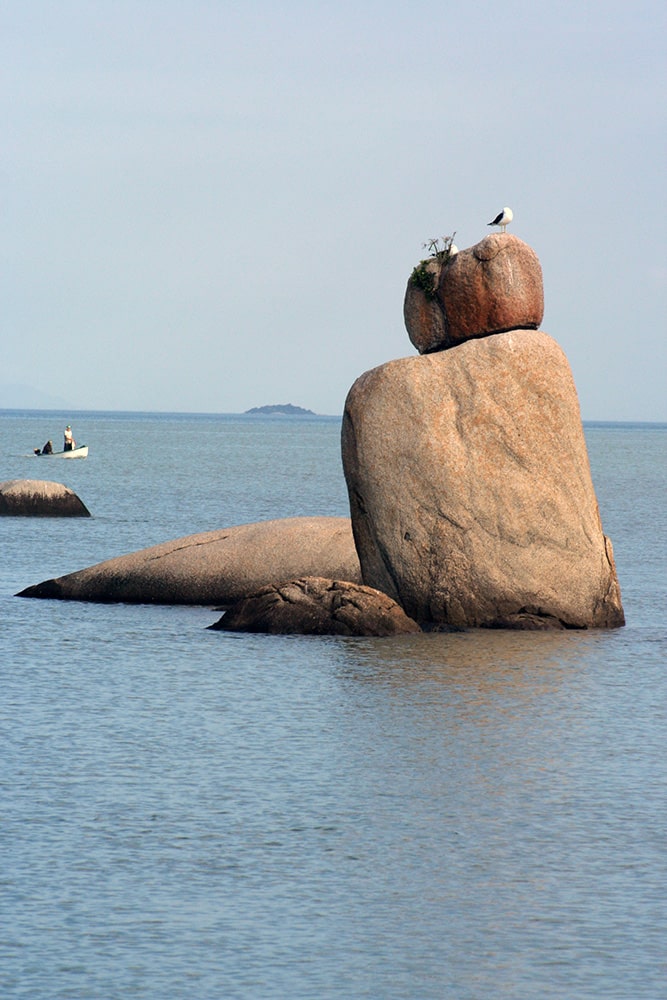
x: 194, y: 814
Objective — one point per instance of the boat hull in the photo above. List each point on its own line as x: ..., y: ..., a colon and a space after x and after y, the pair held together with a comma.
x: 80, y: 452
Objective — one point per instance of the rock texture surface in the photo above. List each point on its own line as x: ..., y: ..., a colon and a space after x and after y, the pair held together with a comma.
x: 422, y: 312
x: 39, y: 498
x: 316, y: 606
x: 492, y: 287
x: 470, y: 489
x: 215, y: 567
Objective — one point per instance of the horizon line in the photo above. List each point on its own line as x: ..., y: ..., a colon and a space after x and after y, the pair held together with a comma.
x: 247, y: 413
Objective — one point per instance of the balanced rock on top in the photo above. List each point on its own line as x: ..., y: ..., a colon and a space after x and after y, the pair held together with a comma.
x: 491, y: 287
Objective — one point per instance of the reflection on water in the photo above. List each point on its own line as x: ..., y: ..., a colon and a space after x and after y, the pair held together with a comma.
x: 510, y: 772
x: 491, y: 661
x: 195, y: 814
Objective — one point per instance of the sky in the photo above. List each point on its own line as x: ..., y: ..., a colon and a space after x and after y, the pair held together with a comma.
x: 213, y: 205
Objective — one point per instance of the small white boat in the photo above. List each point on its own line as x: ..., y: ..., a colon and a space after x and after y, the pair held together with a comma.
x: 81, y: 451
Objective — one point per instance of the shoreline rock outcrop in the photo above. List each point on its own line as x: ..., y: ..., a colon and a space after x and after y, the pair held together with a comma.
x: 470, y: 489
x: 39, y: 498
x: 215, y: 567
x: 317, y: 606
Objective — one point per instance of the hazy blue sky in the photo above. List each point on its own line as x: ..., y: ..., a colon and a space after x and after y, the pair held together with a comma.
x: 214, y: 205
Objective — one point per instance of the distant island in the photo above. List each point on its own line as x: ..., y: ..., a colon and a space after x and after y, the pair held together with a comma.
x: 285, y: 409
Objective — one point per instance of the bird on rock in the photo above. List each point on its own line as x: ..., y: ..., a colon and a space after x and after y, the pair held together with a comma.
x: 503, y: 218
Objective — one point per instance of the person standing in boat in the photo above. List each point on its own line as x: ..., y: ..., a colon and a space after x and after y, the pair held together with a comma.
x: 69, y: 443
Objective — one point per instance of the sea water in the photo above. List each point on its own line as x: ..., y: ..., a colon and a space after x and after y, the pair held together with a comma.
x: 195, y: 814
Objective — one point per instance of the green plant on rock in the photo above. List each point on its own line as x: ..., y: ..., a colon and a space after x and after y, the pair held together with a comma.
x: 439, y: 251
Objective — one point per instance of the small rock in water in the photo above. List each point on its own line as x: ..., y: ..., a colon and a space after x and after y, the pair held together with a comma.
x: 39, y: 498
x: 316, y: 606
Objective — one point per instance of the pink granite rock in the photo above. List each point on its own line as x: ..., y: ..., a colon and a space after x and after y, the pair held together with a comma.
x: 317, y: 606
x: 470, y: 490
x: 491, y: 287
x: 422, y: 312
x: 215, y: 567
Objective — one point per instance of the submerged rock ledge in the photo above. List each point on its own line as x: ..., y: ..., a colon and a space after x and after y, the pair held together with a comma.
x: 215, y: 567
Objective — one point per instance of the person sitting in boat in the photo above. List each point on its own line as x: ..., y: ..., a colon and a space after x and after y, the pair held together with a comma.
x: 46, y: 450
x: 70, y: 443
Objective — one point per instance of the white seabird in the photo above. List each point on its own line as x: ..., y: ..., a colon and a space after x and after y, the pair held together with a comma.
x: 503, y: 218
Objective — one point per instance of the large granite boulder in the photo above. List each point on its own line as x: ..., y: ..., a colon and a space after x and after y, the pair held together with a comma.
x: 39, y: 498
x: 470, y: 490
x: 316, y: 606
x: 215, y: 567
x: 492, y: 287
